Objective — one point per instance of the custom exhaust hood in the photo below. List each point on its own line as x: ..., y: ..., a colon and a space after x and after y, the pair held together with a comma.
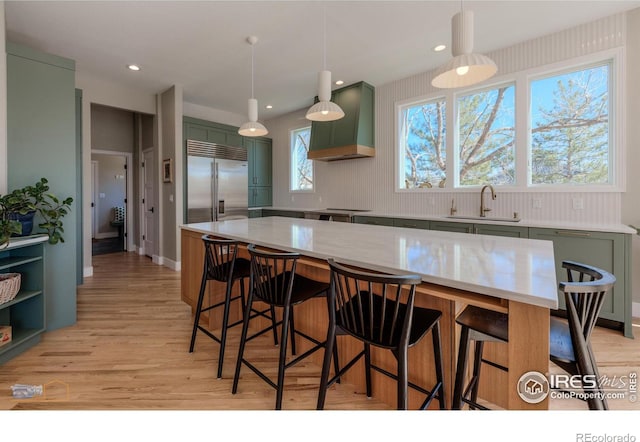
x: 351, y: 136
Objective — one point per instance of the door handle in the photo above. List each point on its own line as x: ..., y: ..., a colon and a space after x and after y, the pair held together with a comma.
x: 151, y: 210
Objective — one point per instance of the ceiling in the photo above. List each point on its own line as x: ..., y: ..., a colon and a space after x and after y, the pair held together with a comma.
x: 202, y: 46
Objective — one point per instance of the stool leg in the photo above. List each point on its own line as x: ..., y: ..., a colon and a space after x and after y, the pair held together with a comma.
x: 329, y: 350
x: 242, y: 296
x: 403, y: 378
x: 437, y: 350
x: 461, y: 369
x: 225, y: 322
x: 286, y: 315
x: 367, y: 367
x: 196, y: 320
x: 293, y: 334
x: 243, y: 339
x: 477, y: 364
x: 273, y: 324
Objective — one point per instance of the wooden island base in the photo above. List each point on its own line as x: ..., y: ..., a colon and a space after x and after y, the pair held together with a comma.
x: 527, y: 350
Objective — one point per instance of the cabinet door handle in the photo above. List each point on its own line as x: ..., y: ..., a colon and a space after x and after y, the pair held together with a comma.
x: 573, y: 233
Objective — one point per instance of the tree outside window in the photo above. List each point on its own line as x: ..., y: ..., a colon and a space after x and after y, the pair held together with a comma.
x: 570, y: 128
x: 486, y: 137
x: 301, y: 167
x: 422, y: 140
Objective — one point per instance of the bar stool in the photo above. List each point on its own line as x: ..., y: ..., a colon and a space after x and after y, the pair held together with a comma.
x: 570, y: 339
x: 379, y: 310
x: 221, y: 264
x: 479, y: 325
x: 275, y: 282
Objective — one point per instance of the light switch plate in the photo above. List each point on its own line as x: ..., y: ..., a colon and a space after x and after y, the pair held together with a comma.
x: 536, y: 203
x: 578, y: 204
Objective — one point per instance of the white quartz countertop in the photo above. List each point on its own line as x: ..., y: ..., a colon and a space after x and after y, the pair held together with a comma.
x: 517, y: 269
x: 562, y: 225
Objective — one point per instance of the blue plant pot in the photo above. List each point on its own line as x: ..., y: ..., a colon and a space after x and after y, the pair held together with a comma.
x: 26, y: 220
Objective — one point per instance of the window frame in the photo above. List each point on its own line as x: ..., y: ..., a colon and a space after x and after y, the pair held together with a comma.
x: 522, y: 81
x: 291, y: 161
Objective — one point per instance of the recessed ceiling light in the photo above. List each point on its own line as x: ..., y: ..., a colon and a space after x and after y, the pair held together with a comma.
x: 339, y: 82
x: 440, y: 48
x: 134, y: 67
x: 268, y: 106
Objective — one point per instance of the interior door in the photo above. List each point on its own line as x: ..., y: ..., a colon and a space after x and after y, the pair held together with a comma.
x: 148, y: 198
x: 94, y: 198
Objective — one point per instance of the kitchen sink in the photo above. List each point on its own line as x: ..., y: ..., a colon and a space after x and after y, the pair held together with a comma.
x: 485, y: 218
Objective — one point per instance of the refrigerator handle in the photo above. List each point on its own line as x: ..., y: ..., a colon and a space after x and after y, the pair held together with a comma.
x: 215, y: 190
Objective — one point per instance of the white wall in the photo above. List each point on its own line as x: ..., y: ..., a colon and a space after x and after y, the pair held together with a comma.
x: 111, y: 191
x: 368, y: 183
x: 112, y: 129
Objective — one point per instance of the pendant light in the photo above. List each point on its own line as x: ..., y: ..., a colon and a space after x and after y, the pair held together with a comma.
x: 324, y: 109
x: 252, y: 128
x: 465, y: 68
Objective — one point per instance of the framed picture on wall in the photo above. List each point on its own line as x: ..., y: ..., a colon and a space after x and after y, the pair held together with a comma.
x: 167, y: 170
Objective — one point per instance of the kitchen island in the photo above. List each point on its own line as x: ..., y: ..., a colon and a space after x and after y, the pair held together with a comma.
x: 511, y: 275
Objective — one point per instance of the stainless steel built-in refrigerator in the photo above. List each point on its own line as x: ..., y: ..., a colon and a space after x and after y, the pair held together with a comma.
x: 217, y: 185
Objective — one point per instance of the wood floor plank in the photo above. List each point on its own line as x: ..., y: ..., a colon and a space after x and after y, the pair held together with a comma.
x: 129, y: 351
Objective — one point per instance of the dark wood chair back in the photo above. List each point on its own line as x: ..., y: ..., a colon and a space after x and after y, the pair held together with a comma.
x: 273, y: 275
x: 219, y: 258
x: 374, y: 308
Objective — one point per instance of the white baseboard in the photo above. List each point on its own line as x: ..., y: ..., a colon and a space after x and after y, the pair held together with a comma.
x: 87, y: 271
x: 156, y: 259
x: 635, y: 309
x: 140, y: 250
x: 173, y: 265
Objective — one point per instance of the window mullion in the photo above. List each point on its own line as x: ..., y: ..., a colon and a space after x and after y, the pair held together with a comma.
x: 523, y: 113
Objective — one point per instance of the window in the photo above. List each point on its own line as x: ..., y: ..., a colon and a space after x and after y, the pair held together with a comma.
x: 422, y: 145
x: 570, y: 128
x: 486, y: 137
x: 301, y: 167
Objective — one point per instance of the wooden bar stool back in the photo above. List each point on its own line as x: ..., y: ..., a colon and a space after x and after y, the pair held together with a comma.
x: 570, y: 339
x: 379, y: 310
x: 275, y: 282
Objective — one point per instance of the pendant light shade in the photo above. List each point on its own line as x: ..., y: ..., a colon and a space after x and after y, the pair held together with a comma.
x: 324, y: 109
x: 465, y: 68
x: 252, y: 128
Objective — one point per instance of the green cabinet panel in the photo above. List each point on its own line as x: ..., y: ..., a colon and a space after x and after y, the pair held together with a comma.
x: 500, y: 230
x: 608, y: 251
x: 356, y: 128
x: 452, y: 226
x: 202, y: 130
x: 260, y: 196
x: 374, y: 220
x: 260, y: 161
x: 26, y: 312
x: 255, y: 213
x: 412, y: 223
x: 285, y: 213
x: 195, y: 132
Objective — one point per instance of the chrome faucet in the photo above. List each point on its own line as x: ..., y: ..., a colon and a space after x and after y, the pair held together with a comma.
x: 483, y: 209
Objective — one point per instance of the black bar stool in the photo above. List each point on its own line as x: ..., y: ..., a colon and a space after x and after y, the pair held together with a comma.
x: 275, y: 282
x: 570, y: 339
x: 479, y: 325
x: 221, y: 264
x: 379, y: 310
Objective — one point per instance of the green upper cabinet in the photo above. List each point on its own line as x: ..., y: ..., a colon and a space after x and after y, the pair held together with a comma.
x: 352, y: 136
x: 202, y: 130
x: 260, y: 161
x: 608, y: 251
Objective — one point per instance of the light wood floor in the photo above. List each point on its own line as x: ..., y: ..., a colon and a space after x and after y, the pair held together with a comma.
x: 129, y: 350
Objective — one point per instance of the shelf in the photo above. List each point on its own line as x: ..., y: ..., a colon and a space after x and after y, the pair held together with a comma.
x: 20, y: 335
x: 21, y: 296
x: 14, y: 261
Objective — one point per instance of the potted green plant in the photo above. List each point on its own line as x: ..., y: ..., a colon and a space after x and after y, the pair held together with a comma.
x: 19, y: 208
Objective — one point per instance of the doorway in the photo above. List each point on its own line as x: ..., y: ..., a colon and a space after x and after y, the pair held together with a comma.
x: 111, y: 187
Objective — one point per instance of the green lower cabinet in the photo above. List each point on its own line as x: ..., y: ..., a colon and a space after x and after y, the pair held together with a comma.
x: 260, y: 196
x: 499, y: 230
x: 452, y: 226
x: 412, y: 223
x: 608, y: 251
x: 285, y: 213
x: 373, y: 220
x: 255, y: 213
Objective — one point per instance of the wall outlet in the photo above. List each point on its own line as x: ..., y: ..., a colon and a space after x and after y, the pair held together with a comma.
x: 536, y: 203
x: 578, y: 204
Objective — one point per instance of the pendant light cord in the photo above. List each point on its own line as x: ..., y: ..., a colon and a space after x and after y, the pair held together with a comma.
x: 324, y: 36
x: 252, y: 71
